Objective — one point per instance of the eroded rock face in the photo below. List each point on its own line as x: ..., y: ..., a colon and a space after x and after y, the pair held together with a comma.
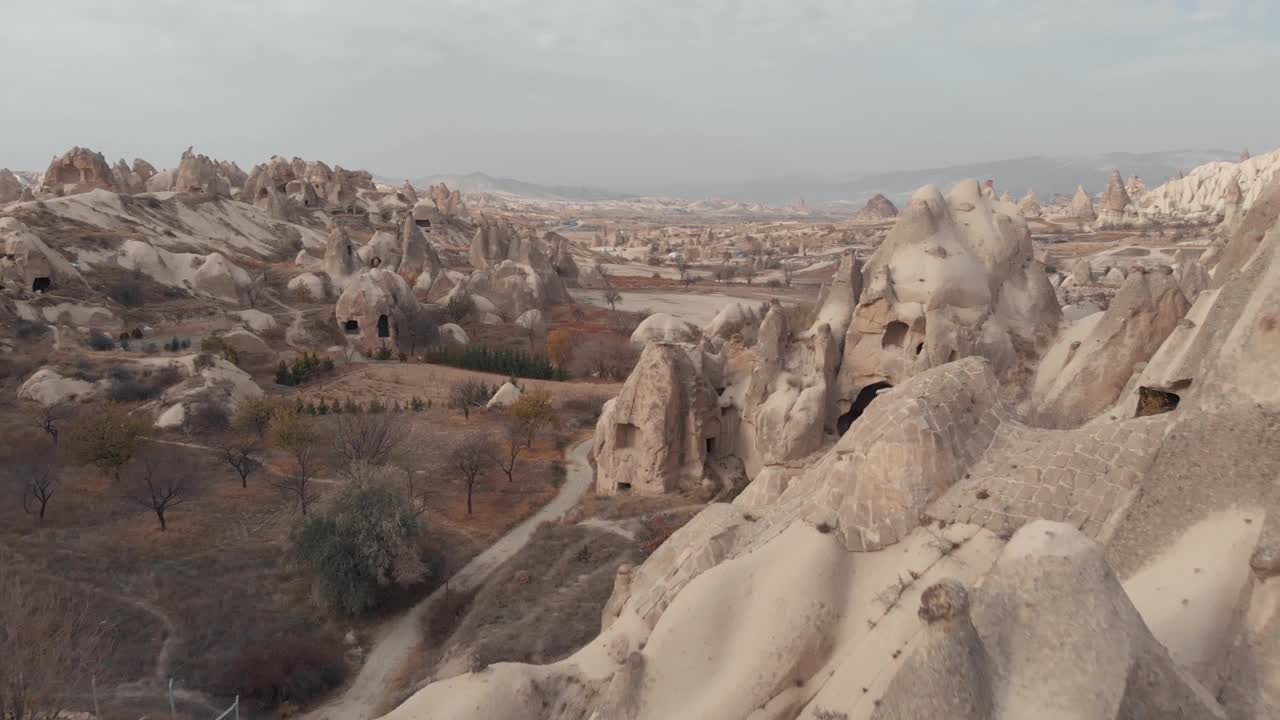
x: 955, y: 277
x: 10, y: 187
x: 339, y: 256
x: 1117, y: 208
x: 1142, y: 314
x: 653, y: 438
x: 447, y: 202
x: 197, y: 173
x: 418, y: 256
x: 78, y: 170
x: 1076, y: 655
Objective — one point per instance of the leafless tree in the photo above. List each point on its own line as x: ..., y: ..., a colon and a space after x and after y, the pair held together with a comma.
x: 51, y: 417
x: 613, y: 297
x: 372, y: 439
x: 471, y: 457
x: 157, y: 481
x: 419, y: 329
x: 515, y: 444
x: 788, y: 271
x: 297, y: 436
x: 682, y: 266
x: 240, y: 452
x: 415, y: 494
x: 749, y: 270
x: 32, y: 464
x: 259, y: 286
x: 49, y: 644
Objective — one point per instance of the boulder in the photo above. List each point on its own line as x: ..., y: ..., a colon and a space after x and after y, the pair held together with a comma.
x: 247, y: 345
x: 505, y: 397
x: 453, y: 334
x: 1114, y: 277
x: 1082, y: 272
x: 661, y: 327
x: 49, y: 388
x: 256, y: 320
x: 310, y: 285
x: 737, y: 318
x: 532, y: 321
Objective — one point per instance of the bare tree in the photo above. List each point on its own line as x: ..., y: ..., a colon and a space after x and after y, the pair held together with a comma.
x: 296, y: 435
x: 158, y: 482
x: 32, y: 464
x: 415, y: 495
x: 372, y: 439
x: 471, y: 457
x: 682, y: 266
x: 240, y: 452
x: 259, y: 287
x: 419, y: 329
x: 515, y: 444
x: 788, y: 271
x: 749, y: 271
x: 51, y: 418
x: 613, y: 297
x: 49, y: 645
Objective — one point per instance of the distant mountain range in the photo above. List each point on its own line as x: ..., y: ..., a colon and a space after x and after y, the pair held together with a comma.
x: 1046, y: 175
x: 478, y: 182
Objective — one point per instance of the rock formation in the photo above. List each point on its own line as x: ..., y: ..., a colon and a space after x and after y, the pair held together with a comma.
x: 661, y: 327
x: 418, y: 257
x: 373, y: 308
x: 1030, y: 205
x: 1082, y: 205
x: 1136, y: 189
x: 197, y: 173
x: 1202, y: 195
x: 654, y: 437
x: 339, y: 256
x: 955, y: 277
x: 1093, y: 374
x: 877, y: 209
x: 77, y: 170
x: 10, y: 187
x: 1117, y: 209
x: 447, y: 202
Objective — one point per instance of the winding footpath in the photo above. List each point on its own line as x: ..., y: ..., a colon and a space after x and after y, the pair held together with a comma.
x: 399, y: 640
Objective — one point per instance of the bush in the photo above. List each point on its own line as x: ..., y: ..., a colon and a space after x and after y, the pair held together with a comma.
x: 383, y: 353
x: 207, y: 418
x: 127, y: 291
x: 366, y: 542
x: 100, y: 341
x: 459, y: 308
x: 128, y: 385
x: 609, y: 357
x: 512, y: 363
x: 218, y: 346
x: 305, y: 368
x: 288, y: 670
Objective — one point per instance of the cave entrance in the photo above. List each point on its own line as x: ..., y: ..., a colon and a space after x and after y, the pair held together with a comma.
x: 351, y: 327
x: 624, y: 487
x: 384, y: 327
x: 711, y: 446
x: 424, y: 223
x: 41, y: 284
x: 860, y: 403
x: 895, y: 335
x: 625, y: 435
x: 1152, y: 401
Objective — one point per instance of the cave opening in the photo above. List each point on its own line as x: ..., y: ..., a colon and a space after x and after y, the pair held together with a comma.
x: 41, y: 284
x: 895, y: 335
x: 384, y: 327
x: 1152, y: 401
x: 859, y: 406
x: 351, y: 327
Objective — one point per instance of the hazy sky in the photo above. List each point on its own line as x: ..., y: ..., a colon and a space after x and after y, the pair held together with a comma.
x: 612, y: 92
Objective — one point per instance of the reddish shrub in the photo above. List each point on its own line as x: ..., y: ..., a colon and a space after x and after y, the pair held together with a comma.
x: 291, y: 669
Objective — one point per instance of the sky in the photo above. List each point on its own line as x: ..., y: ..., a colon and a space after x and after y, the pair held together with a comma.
x: 613, y: 92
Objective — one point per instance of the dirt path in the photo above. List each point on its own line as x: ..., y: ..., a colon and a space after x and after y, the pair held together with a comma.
x: 399, y: 640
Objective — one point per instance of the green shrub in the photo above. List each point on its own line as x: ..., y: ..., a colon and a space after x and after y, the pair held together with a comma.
x: 366, y: 542
x: 512, y: 363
